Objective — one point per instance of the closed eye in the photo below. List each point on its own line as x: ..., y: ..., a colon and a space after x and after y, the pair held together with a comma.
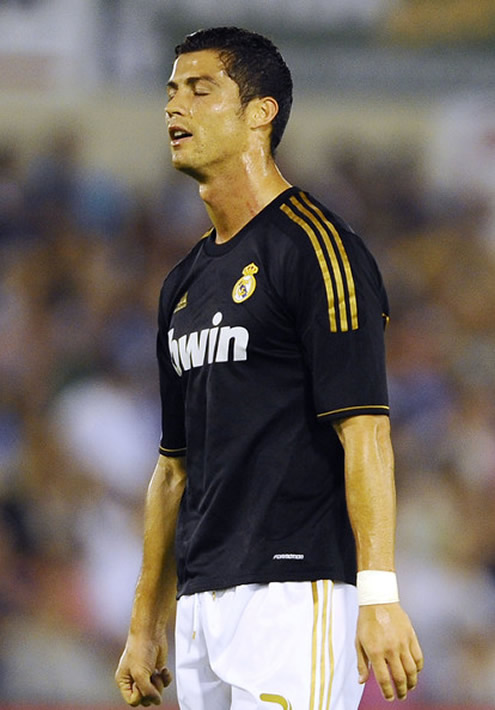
x: 199, y: 85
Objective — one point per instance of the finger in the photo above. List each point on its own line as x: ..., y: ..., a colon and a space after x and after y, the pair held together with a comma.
x: 135, y: 698
x: 161, y: 679
x: 157, y: 681
x: 382, y: 675
x: 146, y: 701
x: 128, y: 689
x: 409, y: 665
x: 148, y: 693
x: 166, y: 677
x: 399, y: 676
x: 417, y: 653
x: 125, y: 690
x: 362, y: 663
x: 155, y: 700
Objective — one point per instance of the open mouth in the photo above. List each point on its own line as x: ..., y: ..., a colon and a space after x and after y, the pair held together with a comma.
x: 177, y: 135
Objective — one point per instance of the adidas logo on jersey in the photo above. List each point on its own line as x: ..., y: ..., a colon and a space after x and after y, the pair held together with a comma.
x: 209, y: 345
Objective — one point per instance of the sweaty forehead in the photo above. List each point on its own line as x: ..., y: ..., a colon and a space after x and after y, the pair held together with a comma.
x: 207, y: 62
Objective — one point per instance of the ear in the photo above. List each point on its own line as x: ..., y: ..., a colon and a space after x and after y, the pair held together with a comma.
x: 263, y: 111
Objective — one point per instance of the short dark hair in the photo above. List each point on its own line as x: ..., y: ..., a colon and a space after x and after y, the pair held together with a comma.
x: 254, y: 63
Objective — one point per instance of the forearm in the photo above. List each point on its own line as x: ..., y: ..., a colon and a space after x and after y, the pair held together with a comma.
x: 370, y: 489
x: 385, y: 638
x: 156, y: 587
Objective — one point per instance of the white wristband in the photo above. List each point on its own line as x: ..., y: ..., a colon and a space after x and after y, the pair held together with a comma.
x: 377, y: 587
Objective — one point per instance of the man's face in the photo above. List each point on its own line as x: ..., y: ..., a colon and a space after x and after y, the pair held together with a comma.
x: 206, y: 123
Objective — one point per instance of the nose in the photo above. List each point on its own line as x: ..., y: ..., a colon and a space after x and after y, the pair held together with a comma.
x: 174, y: 107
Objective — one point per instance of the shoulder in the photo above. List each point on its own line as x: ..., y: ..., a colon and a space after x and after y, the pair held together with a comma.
x: 317, y: 234
x: 323, y: 252
x: 303, y: 217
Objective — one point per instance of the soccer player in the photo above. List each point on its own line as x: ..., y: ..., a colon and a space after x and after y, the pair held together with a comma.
x: 274, y: 493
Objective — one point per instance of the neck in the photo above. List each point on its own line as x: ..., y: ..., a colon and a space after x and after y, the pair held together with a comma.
x: 235, y: 196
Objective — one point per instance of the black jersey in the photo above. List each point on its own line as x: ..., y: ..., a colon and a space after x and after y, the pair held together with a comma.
x: 263, y: 341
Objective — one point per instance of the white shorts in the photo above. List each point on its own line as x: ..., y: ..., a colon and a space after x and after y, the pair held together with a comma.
x: 280, y: 645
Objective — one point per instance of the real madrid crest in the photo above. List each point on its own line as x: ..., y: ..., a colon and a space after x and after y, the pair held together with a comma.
x: 246, y: 286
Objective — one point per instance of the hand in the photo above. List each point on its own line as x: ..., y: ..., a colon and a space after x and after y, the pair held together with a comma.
x: 386, y: 640
x: 141, y: 674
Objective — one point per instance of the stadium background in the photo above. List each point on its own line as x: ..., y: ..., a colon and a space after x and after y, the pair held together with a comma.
x: 394, y: 127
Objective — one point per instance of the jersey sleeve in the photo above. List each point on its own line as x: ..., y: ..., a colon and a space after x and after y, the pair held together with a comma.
x: 340, y: 306
x: 173, y: 440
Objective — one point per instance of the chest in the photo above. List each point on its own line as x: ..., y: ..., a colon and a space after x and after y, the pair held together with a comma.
x: 228, y: 309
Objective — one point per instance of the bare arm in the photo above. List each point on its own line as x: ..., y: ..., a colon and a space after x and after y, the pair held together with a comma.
x: 385, y: 636
x: 370, y: 488
x: 142, y: 673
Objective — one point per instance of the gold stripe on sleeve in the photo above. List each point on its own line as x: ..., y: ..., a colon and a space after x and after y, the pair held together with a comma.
x: 345, y: 260
x: 321, y: 261
x: 350, y: 409
x: 344, y: 327
x: 165, y: 452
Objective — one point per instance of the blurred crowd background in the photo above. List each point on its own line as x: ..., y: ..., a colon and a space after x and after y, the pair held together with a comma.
x: 394, y: 128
